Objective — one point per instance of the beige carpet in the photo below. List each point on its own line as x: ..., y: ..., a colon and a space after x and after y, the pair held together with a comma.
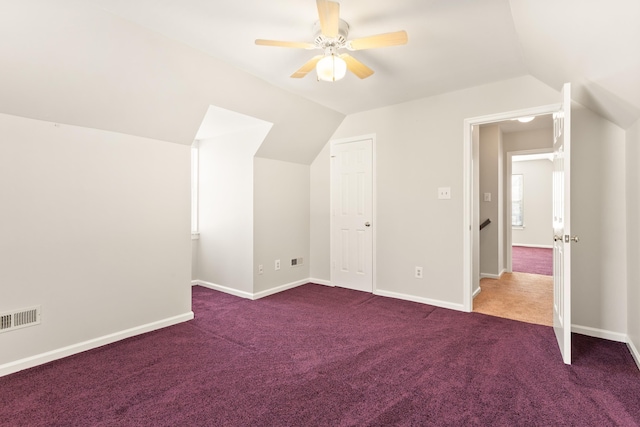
x: 518, y: 296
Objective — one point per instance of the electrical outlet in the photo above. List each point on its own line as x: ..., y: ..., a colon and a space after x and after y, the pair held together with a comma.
x: 418, y: 272
x: 277, y: 266
x: 260, y: 269
x: 444, y: 192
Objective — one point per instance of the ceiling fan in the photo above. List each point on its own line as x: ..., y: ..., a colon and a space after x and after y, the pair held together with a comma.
x: 330, y: 34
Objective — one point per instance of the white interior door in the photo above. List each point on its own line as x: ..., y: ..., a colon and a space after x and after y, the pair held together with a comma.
x: 351, y: 215
x: 562, y: 225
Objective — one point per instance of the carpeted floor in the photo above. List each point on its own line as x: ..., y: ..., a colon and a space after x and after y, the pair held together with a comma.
x: 320, y: 356
x: 532, y: 260
x: 519, y: 296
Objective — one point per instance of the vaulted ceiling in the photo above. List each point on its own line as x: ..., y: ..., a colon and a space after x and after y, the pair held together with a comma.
x: 153, y: 67
x: 453, y: 44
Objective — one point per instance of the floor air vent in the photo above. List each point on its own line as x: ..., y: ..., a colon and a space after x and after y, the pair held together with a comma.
x: 19, y: 319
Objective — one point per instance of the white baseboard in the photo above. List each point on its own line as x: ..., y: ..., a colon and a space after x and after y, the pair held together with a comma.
x: 491, y: 276
x: 437, y: 303
x: 322, y: 282
x: 225, y: 289
x: 476, y: 292
x: 525, y: 245
x: 599, y: 333
x: 39, y: 359
x: 280, y: 288
x: 250, y: 295
x: 634, y: 352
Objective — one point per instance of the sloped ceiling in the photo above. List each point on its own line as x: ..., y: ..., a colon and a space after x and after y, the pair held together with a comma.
x: 593, y: 44
x: 152, y: 67
x: 453, y: 44
x: 69, y: 62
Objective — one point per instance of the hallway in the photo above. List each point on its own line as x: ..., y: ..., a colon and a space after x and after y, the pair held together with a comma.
x: 519, y: 296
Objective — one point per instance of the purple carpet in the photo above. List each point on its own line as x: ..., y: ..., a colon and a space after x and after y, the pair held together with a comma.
x: 321, y: 356
x: 532, y: 260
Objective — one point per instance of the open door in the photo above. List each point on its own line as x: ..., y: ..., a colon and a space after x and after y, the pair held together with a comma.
x: 562, y: 225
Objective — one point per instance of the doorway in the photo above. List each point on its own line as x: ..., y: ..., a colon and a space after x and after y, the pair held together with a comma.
x: 518, y: 288
x: 561, y: 211
x: 471, y: 247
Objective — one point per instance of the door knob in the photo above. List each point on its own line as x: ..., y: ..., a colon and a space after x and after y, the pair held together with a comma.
x: 557, y: 238
x: 575, y: 239
x: 367, y: 224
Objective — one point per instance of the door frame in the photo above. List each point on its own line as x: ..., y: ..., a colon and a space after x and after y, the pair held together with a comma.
x: 508, y: 265
x: 374, y: 216
x: 470, y: 246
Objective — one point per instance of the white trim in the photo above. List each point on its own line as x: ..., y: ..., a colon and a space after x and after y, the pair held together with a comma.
x: 476, y: 292
x: 250, y: 295
x: 492, y: 276
x: 527, y: 245
x: 598, y: 333
x: 634, y: 352
x: 467, y: 190
x: 280, y: 288
x: 437, y: 303
x: 322, y: 282
x: 225, y: 289
x: 39, y: 359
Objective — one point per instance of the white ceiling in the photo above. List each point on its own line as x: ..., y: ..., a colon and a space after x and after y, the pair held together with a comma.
x: 453, y: 44
x: 539, y: 122
x: 220, y: 121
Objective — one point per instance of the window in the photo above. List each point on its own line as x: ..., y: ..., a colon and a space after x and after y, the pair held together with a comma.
x: 194, y: 188
x: 517, y: 206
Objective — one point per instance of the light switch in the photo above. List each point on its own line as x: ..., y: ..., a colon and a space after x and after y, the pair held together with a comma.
x: 487, y: 197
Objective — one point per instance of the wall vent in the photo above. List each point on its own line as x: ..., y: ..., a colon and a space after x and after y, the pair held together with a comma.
x: 12, y: 320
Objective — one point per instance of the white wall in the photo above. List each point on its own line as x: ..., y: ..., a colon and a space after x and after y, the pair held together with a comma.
x: 225, y: 246
x: 538, y: 229
x: 320, y: 238
x: 598, y: 207
x: 490, y: 177
x: 281, y: 222
x: 95, y: 228
x: 633, y: 237
x: 528, y: 140
x: 420, y: 146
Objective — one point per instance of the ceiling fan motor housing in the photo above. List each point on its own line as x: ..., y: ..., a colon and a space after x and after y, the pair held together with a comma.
x: 323, y: 42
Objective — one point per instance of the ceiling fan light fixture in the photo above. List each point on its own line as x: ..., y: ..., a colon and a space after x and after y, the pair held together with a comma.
x: 331, y: 68
x: 526, y: 119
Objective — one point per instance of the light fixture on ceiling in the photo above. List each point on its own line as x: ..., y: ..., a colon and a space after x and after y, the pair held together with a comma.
x: 526, y: 119
x: 330, y: 35
x: 331, y: 68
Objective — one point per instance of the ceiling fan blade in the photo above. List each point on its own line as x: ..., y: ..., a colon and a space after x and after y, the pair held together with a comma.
x: 329, y: 14
x: 379, y: 40
x: 308, y: 66
x: 277, y: 43
x: 356, y: 67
